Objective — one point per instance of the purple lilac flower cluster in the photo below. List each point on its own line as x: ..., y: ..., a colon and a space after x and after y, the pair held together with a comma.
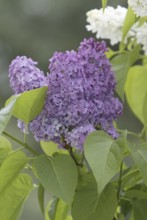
x: 24, y: 75
x: 80, y: 97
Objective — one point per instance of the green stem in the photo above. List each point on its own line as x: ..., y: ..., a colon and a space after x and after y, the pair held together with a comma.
x: 21, y: 143
x: 129, y: 132
x: 73, y: 157
x: 133, y: 134
x: 143, y: 132
x: 120, y: 181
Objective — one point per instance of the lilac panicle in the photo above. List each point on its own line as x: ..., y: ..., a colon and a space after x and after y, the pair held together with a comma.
x: 80, y: 97
x: 24, y: 75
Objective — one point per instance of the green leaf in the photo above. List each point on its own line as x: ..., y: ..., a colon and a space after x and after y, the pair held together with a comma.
x: 62, y: 210
x: 130, y: 179
x: 58, y: 175
x: 134, y: 54
x: 41, y: 198
x: 13, y: 197
x: 51, y: 147
x: 46, y: 211
x: 30, y: 104
x: 136, y: 90
x: 57, y: 209
x: 104, y: 156
x: 104, y: 3
x: 140, y: 209
x: 88, y: 205
x: 126, y: 208
x: 145, y: 109
x: 5, y: 148
x: 14, y: 188
x: 139, y: 154
x: 68, y: 218
x: 11, y: 168
x: 5, y: 144
x: 6, y: 113
x: 121, y: 217
x: 135, y: 194
x: 110, y: 53
x: 142, y: 20
x: 121, y: 64
x: 130, y: 19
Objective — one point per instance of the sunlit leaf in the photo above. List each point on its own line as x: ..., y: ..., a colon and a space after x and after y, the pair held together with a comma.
x: 29, y: 104
x: 130, y: 19
x: 13, y: 197
x: 51, y: 147
x: 136, y: 90
x: 5, y: 148
x: 104, y: 3
x: 57, y: 209
x: 5, y: 143
x: 14, y: 187
x: 144, y: 109
x: 11, y: 168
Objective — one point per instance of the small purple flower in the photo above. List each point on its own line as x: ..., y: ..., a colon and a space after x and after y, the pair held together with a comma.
x: 24, y: 75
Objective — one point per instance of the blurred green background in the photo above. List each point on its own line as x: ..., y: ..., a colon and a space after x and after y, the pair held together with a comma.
x: 38, y: 28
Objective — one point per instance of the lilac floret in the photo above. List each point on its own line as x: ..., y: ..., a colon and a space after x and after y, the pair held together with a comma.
x: 80, y: 97
x: 24, y: 75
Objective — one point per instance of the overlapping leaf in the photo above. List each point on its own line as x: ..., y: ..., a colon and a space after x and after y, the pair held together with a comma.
x: 136, y: 91
x: 88, y: 205
x: 14, y: 187
x: 58, y: 175
x: 29, y: 104
x: 104, y: 157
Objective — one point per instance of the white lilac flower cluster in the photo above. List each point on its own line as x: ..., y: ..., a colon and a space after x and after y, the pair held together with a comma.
x: 139, y: 7
x: 141, y: 36
x: 108, y: 24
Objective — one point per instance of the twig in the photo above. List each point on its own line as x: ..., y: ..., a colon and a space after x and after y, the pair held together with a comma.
x: 25, y: 145
x: 120, y: 181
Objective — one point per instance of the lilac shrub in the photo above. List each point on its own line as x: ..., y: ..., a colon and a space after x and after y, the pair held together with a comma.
x: 76, y: 108
x: 80, y: 97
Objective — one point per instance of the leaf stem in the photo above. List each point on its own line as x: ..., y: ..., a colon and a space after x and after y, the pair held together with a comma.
x: 120, y: 181
x: 129, y: 132
x: 73, y: 157
x: 25, y: 145
x: 141, y: 135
